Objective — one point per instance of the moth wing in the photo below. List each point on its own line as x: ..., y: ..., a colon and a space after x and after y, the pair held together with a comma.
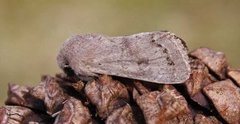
x: 155, y: 57
x: 158, y: 57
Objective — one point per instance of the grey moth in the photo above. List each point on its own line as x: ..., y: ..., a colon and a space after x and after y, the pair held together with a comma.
x: 159, y: 57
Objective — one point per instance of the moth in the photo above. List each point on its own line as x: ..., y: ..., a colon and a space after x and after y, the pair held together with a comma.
x: 158, y: 57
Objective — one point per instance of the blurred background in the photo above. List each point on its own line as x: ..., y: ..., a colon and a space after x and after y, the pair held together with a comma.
x: 31, y: 31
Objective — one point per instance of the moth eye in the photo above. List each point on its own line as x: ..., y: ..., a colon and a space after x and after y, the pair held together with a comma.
x: 68, y: 70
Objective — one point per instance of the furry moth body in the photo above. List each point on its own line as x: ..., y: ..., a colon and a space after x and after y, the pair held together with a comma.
x: 158, y: 57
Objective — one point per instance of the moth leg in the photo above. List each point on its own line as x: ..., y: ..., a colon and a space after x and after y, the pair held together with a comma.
x: 87, y: 78
x: 85, y: 75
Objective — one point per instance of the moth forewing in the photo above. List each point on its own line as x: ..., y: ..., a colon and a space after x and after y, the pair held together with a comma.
x: 158, y: 57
